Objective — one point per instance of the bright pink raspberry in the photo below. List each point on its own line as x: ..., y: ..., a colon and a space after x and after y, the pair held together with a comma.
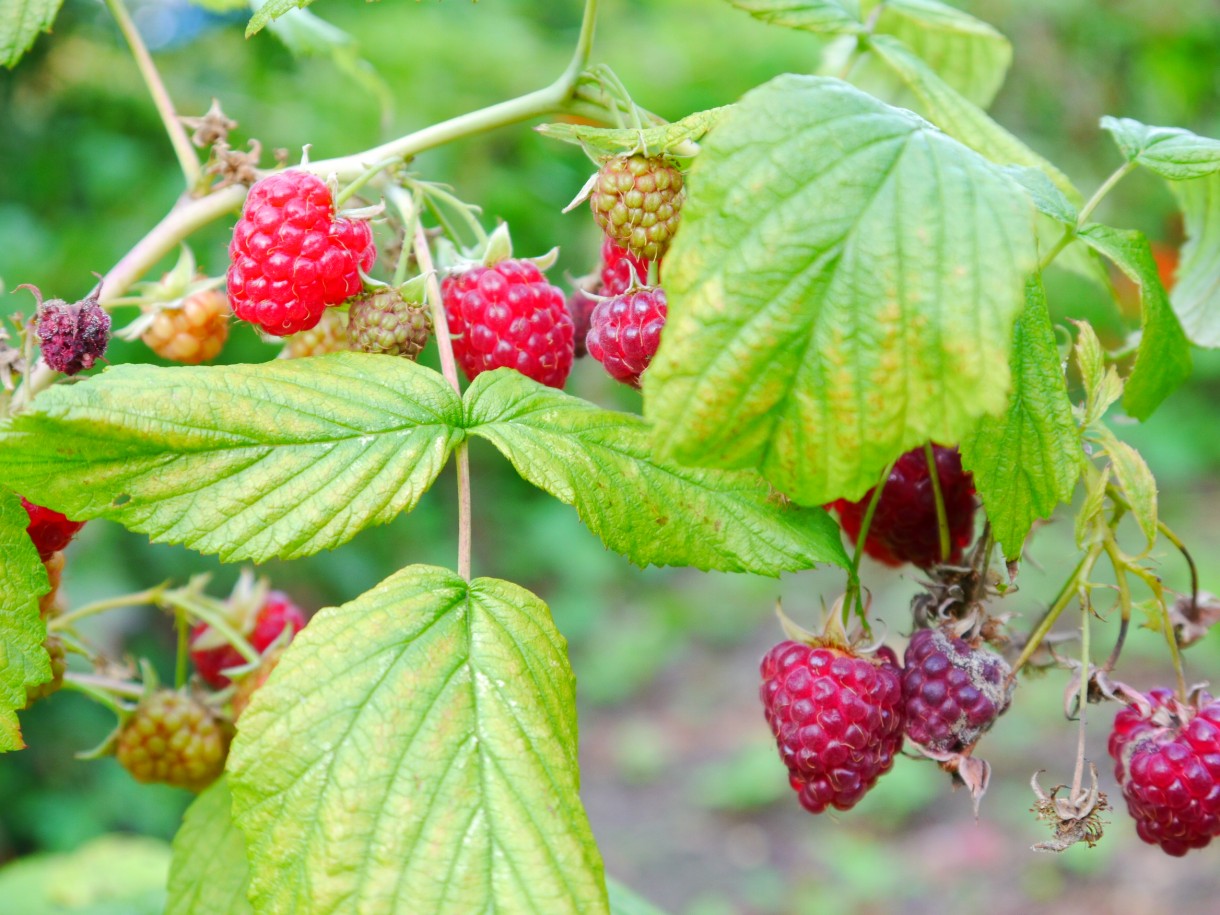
x: 508, y: 316
x: 837, y: 718
x: 278, y: 613
x: 1167, y: 762
x: 621, y: 268
x: 290, y: 257
x: 625, y: 331
x: 904, y: 527
x: 50, y: 531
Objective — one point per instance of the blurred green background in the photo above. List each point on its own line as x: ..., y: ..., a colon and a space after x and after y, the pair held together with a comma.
x: 683, y: 787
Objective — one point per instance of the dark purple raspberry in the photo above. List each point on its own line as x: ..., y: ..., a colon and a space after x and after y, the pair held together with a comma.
x: 952, y: 693
x: 837, y: 718
x: 580, y: 307
x: 625, y: 332
x: 904, y: 527
x: 508, y: 315
x: 73, y: 337
x: 621, y: 269
x: 1167, y: 762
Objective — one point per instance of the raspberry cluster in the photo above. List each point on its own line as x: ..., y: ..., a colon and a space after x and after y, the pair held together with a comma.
x: 625, y: 331
x: 264, y: 627
x: 837, y: 718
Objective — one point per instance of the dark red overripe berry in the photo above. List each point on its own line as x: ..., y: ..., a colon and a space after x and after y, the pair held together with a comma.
x: 952, y: 692
x: 904, y: 527
x: 1167, y: 762
x: 276, y: 614
x: 625, y: 331
x: 620, y: 269
x: 72, y: 336
x: 837, y: 718
x: 49, y: 530
x: 508, y: 315
x: 290, y: 256
x: 637, y: 201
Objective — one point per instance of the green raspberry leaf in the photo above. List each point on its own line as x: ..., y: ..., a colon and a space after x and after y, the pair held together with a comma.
x: 415, y: 751
x: 268, y: 10
x: 23, y: 579
x: 612, y: 141
x: 1134, y: 479
x: 835, y: 17
x: 1028, y: 460
x: 245, y: 461
x: 1196, y: 293
x: 208, y: 873
x: 1102, y: 386
x: 650, y: 510
x: 21, y: 21
x: 1171, y: 152
x: 1163, y: 362
x: 842, y: 289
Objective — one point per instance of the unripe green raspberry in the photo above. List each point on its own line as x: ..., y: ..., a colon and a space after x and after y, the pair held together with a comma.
x: 175, y: 739
x: 59, y: 665
x: 636, y: 201
x: 382, y: 322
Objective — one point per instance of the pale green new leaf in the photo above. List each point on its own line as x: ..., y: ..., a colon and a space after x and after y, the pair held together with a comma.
x: 614, y: 140
x: 1102, y: 386
x: 646, y: 508
x: 1027, y: 461
x: 1163, y: 361
x: 23, y: 579
x: 1196, y: 292
x: 1171, y: 152
x: 1045, y: 195
x: 842, y: 289
x: 21, y: 21
x: 208, y: 873
x: 268, y: 10
x: 1091, y: 507
x: 834, y: 17
x: 245, y: 461
x: 415, y: 751
x: 1134, y: 479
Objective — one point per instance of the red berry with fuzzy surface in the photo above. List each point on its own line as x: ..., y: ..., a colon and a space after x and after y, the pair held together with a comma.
x: 49, y: 530
x: 278, y: 613
x: 1167, y: 762
x: 620, y: 269
x: 508, y: 316
x: 905, y: 526
x: 837, y: 718
x: 291, y: 257
x: 625, y: 331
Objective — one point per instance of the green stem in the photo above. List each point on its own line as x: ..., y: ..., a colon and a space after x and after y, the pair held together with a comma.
x: 1085, y: 612
x: 1069, y: 590
x: 140, y: 598
x: 942, y: 518
x: 853, y: 585
x: 183, y: 149
x: 1194, y: 571
x: 1086, y: 211
x: 361, y: 180
x: 201, y: 608
x: 182, y: 625
x: 103, y: 689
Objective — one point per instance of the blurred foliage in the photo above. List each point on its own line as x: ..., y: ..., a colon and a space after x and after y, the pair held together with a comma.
x: 658, y: 653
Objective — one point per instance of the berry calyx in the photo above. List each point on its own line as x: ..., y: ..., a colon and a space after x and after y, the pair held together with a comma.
x: 836, y: 717
x: 905, y: 526
x: 291, y: 256
x: 951, y: 692
x: 174, y: 739
x: 1167, y: 762
x: 383, y: 322
x: 508, y: 315
x: 192, y: 332
x: 329, y: 335
x: 212, y: 654
x: 50, y: 530
x: 637, y: 201
x: 72, y: 336
x: 625, y: 331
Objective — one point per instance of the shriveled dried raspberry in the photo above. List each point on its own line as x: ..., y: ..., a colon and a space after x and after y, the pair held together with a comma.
x: 1167, y: 762
x: 625, y: 331
x: 382, y: 322
x: 951, y: 691
x: 508, y: 315
x: 837, y: 718
x: 73, y: 336
x: 291, y: 257
x: 905, y: 526
x: 50, y: 531
x: 174, y: 739
x: 54, y: 646
x: 329, y: 335
x: 212, y: 654
x: 637, y: 200
x: 621, y: 269
x: 194, y: 331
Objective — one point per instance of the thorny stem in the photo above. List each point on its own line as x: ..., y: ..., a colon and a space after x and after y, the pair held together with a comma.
x: 1069, y: 590
x: 140, y: 598
x: 942, y: 518
x: 183, y: 149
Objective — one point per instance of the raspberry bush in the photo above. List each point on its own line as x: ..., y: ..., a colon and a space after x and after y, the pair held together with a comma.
x: 855, y: 320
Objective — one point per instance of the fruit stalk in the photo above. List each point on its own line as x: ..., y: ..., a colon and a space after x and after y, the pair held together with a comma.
x: 942, y: 517
x: 67, y: 620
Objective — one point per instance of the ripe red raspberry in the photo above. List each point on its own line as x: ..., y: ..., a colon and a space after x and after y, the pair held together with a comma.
x: 636, y: 200
x: 329, y: 335
x: 49, y: 530
x: 625, y: 331
x: 904, y: 527
x: 837, y: 718
x: 951, y: 692
x: 384, y: 323
x: 175, y: 739
x: 73, y: 337
x: 508, y: 315
x: 212, y: 654
x: 1167, y: 762
x: 192, y: 332
x: 620, y: 269
x: 291, y: 257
